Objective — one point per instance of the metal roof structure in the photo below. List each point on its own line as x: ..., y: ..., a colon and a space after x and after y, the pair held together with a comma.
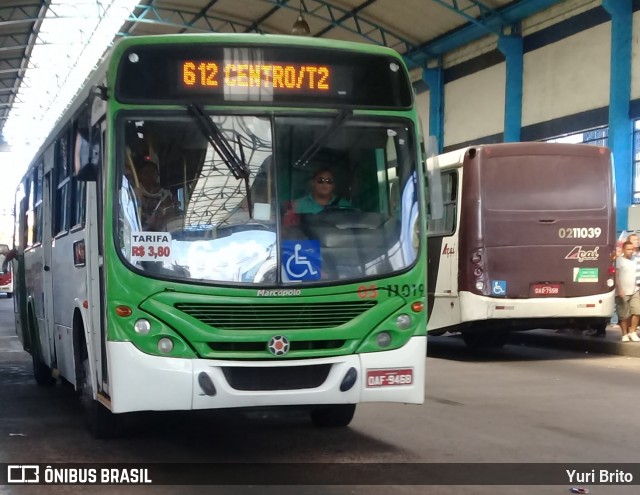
x: 421, y: 30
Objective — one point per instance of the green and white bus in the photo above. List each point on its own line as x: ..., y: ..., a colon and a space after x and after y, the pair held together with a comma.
x: 162, y: 265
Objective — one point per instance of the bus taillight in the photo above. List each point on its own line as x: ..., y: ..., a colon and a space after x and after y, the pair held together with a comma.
x: 477, y: 259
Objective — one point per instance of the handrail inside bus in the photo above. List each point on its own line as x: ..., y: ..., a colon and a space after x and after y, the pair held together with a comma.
x: 134, y: 174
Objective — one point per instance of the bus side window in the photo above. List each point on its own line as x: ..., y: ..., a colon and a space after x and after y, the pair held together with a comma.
x: 62, y: 186
x: 447, y: 224
x: 81, y: 149
x: 27, y: 212
x: 35, y: 225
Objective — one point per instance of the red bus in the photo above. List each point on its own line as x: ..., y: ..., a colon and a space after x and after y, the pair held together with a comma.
x: 6, y: 276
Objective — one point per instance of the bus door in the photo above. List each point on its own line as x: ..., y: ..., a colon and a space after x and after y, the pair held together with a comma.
x: 18, y: 271
x: 442, y: 252
x: 46, y: 320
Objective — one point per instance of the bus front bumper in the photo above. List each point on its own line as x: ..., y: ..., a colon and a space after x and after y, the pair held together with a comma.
x: 142, y: 382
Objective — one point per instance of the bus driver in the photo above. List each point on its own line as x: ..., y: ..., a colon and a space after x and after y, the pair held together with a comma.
x: 321, y: 195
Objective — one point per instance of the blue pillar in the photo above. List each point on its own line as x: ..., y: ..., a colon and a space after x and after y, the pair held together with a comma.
x: 435, y: 80
x: 620, y: 125
x: 511, y: 48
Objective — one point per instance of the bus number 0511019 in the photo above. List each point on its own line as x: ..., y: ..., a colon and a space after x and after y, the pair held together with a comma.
x: 579, y: 232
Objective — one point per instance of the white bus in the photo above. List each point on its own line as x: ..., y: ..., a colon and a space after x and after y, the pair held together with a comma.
x: 527, y: 240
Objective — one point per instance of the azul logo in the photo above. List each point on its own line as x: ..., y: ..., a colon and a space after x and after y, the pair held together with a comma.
x: 448, y: 251
x: 577, y: 253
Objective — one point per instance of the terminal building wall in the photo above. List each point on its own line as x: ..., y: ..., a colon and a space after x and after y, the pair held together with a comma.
x: 566, y: 78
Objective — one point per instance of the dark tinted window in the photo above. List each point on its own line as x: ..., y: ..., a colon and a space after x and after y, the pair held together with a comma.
x: 63, y: 184
x: 545, y: 182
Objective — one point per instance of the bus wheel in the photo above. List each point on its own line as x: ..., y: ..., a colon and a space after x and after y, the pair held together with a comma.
x: 333, y: 416
x: 9, y: 295
x: 41, y: 372
x: 480, y: 340
x: 102, y: 423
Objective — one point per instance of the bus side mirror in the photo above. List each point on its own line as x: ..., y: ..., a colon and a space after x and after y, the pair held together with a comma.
x: 88, y: 173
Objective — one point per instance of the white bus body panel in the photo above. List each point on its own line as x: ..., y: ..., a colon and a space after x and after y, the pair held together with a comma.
x: 141, y: 382
x: 475, y: 308
x: 67, y: 291
x: 446, y: 306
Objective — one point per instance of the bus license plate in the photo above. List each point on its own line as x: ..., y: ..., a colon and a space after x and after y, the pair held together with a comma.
x: 390, y: 377
x: 541, y: 290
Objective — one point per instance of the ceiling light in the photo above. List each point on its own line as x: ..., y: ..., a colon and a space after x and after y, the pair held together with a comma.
x: 300, y: 27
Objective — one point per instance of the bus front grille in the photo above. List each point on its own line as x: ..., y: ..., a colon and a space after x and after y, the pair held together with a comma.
x: 280, y: 378
x: 299, y: 345
x: 301, y: 316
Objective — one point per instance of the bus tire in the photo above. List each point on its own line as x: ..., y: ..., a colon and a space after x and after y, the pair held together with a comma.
x: 101, y: 422
x: 41, y: 372
x: 9, y: 295
x: 333, y: 416
x: 485, y: 340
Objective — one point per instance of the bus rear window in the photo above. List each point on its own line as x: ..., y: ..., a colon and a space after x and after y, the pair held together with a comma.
x: 545, y: 182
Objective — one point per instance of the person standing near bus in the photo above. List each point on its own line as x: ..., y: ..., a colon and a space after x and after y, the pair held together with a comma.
x: 633, y: 238
x: 627, y: 295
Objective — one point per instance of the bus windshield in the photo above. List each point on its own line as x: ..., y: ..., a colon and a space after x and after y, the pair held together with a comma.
x: 319, y: 199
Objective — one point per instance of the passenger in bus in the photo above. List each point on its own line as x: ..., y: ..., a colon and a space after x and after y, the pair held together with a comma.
x: 322, y: 194
x: 157, y: 204
x: 627, y: 294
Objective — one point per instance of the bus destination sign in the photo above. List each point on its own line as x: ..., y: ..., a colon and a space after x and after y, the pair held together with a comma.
x: 287, y: 77
x: 267, y: 75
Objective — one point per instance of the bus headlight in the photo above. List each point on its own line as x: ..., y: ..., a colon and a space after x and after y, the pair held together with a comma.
x: 403, y: 321
x: 480, y: 285
x: 165, y: 345
x: 142, y: 326
x: 383, y: 339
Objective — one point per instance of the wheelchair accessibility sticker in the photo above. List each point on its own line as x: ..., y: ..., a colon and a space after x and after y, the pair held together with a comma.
x: 499, y: 287
x: 302, y: 260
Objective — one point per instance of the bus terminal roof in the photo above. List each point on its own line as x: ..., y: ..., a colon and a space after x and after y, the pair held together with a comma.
x: 421, y: 30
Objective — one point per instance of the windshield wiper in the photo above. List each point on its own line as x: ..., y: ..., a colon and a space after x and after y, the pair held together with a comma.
x: 234, y: 163
x: 322, y: 139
